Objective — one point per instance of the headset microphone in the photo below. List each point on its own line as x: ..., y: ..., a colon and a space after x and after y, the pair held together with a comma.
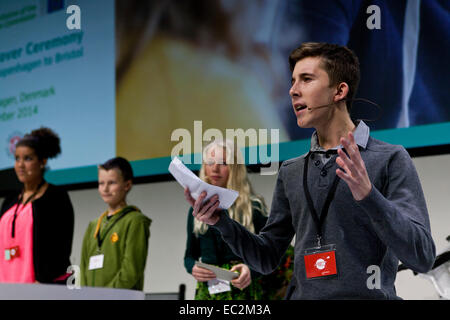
x: 355, y: 99
x: 324, y: 105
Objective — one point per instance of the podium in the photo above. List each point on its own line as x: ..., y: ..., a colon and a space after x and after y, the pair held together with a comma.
x: 13, y: 291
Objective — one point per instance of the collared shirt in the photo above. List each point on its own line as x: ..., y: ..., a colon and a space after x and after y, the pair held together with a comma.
x: 361, y: 134
x: 390, y: 224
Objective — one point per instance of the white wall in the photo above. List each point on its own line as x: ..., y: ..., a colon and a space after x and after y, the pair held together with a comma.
x: 435, y: 178
x: 164, y: 203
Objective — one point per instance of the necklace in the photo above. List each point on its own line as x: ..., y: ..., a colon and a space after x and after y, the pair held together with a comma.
x: 13, y: 228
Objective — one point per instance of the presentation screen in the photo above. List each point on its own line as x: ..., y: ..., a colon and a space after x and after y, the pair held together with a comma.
x: 147, y: 80
x: 58, y: 77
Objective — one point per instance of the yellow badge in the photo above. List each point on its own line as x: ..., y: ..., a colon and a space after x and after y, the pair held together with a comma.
x: 114, y: 237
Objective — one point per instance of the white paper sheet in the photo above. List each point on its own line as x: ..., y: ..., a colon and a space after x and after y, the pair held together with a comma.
x: 187, y: 179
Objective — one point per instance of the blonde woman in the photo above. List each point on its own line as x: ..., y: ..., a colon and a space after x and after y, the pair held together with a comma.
x: 223, y: 167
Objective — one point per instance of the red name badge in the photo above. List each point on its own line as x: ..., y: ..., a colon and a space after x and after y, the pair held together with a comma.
x: 320, y: 264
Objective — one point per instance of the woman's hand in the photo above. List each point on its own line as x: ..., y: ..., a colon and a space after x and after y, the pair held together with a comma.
x: 201, y: 274
x: 244, y: 279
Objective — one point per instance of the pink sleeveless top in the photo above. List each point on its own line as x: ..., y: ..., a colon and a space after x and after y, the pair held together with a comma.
x: 19, y: 268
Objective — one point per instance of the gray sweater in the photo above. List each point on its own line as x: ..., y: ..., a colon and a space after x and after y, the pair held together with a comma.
x: 389, y: 225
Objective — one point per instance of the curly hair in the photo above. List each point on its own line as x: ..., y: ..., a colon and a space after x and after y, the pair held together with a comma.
x: 44, y: 141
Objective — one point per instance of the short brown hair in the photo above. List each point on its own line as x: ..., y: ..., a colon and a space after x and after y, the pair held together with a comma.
x: 120, y: 164
x: 340, y: 63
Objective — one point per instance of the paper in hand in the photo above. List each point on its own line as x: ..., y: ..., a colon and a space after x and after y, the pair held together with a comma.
x: 187, y: 179
x: 220, y: 273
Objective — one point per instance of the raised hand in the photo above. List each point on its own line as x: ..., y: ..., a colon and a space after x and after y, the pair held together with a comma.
x: 355, y: 172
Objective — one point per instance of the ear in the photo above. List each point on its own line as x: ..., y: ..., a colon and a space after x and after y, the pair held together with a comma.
x: 128, y: 185
x: 43, y: 163
x: 341, y: 92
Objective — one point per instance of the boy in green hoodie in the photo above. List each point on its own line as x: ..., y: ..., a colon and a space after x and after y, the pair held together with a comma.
x: 115, y: 245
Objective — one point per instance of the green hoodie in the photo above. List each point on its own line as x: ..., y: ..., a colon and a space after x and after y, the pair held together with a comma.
x: 124, y: 246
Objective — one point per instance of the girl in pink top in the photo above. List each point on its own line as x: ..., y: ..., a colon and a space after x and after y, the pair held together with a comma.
x: 36, y: 226
x: 17, y: 263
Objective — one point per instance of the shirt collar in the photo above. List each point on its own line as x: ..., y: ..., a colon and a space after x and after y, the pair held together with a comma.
x: 361, y: 133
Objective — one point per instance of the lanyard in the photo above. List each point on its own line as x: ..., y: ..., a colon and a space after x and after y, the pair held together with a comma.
x: 13, y: 228
x: 122, y: 214
x: 318, y: 221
